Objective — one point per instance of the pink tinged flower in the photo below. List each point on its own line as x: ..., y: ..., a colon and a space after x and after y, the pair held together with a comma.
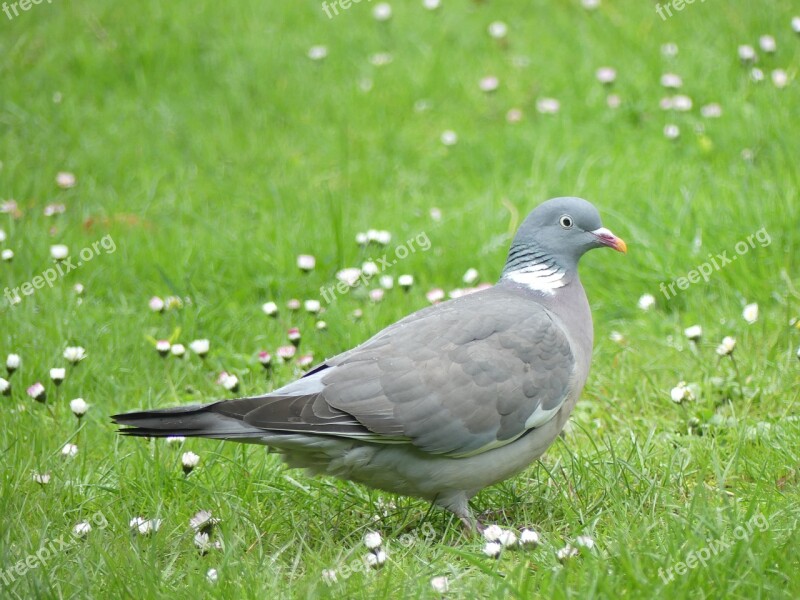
x: 318, y: 52
x: 228, y: 381
x: 376, y: 295
x: 57, y: 375
x: 498, y: 30
x: 69, y: 451
x: 265, y: 358
x: 449, y: 137
x: 78, y: 406
x: 156, y: 304
x: 163, y: 347
x: 59, y: 251
x: 489, y: 84
x: 13, y: 361
x: 435, y: 295
x: 349, y: 276
x: 382, y: 11
x: 514, y: 115
x: 74, y: 354
x: 305, y: 361
x: 270, y: 309
x: 767, y: 43
x: 200, y: 347
x: 306, y: 262
x: 286, y: 353
x: 606, y: 75
x: 189, y: 460
x: 65, y: 180
x: 746, y: 53
x: 7, y: 255
x: 548, y: 106
x: 440, y: 584
x: 711, y: 111
x: 293, y: 304
x: 294, y: 336
x: 41, y: 478
x: 5, y: 387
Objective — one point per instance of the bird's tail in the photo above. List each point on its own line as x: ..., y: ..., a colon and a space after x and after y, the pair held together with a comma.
x: 198, y: 420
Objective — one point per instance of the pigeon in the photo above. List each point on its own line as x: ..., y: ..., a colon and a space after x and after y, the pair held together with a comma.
x: 447, y: 401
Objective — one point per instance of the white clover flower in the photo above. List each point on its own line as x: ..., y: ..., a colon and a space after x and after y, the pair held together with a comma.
x: 59, y: 251
x: 5, y: 387
x: 163, y: 347
x: 606, y: 75
x: 497, y: 30
x: 490, y: 83
x: 767, y: 43
x: 431, y: 4
x: 711, y: 111
x: 616, y: 337
x: 565, y: 553
x: 528, y: 537
x: 382, y: 11
x: 74, y: 354
x: 492, y: 549
x: 178, y: 350
x: 175, y: 439
x: 727, y: 346
x: 507, y: 538
x: 2, y: 236
x: 694, y: 333
x: 492, y: 533
x: 270, y: 309
x: 796, y: 24
x: 189, y: 460
x: 78, y: 288
x: 440, y: 584
x: 405, y: 281
x: 69, y: 451
x: 376, y: 559
x: 312, y: 306
x: 671, y: 132
x: 669, y: 50
x: 317, y: 52
x: 380, y: 59
x: 449, y: 137
x: 386, y: 282
x: 78, y: 406
x: 584, y: 541
x: 680, y: 393
x: 7, y: 255
x: 682, y: 103
x: 435, y: 295
x: 54, y: 209
x: 13, y: 361
x: 369, y: 268
x: 590, y: 4
x: 379, y: 236
x: 471, y: 276
x: 349, y: 276
x: 82, y: 529
x: 156, y: 304
x: 646, y: 302
x: 212, y: 576
x: 65, y: 180
x: 41, y: 478
x: 329, y: 576
x: 798, y: 352
x: 514, y: 115
x: 756, y: 75
x: 57, y: 375
x: 671, y: 81
x: 321, y: 325
x: 202, y: 541
x: 746, y: 53
x: 361, y: 238
x: 779, y: 78
x: 306, y: 262
x: 372, y: 540
x: 144, y: 526
x: 200, y: 347
x: 750, y: 313
x: 548, y: 106
x: 228, y: 381
x: 203, y: 521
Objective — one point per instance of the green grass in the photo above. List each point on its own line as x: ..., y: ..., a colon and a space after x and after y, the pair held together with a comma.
x: 213, y: 152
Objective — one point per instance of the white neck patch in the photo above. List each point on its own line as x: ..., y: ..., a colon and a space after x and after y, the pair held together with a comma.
x: 538, y: 277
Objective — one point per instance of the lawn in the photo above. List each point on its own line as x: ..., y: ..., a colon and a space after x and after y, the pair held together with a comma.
x: 192, y: 151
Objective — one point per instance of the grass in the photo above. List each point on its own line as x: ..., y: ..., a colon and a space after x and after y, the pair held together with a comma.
x: 213, y: 151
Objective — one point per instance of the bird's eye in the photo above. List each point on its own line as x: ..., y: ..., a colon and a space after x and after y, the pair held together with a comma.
x: 566, y: 221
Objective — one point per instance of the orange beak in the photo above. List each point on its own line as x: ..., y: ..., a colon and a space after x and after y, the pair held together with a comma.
x: 605, y: 237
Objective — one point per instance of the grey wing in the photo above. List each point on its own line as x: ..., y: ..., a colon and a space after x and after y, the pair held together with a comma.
x: 456, y: 379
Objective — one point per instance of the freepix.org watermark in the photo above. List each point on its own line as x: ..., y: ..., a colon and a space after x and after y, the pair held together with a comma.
x: 62, y: 267
x: 21, y: 5
x: 716, y: 263
x: 678, y: 5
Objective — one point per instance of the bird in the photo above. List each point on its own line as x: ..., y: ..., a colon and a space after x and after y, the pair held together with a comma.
x: 445, y: 402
